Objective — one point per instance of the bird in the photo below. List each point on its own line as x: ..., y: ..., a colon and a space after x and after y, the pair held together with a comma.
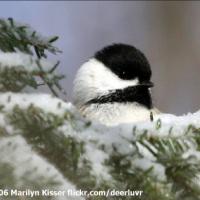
x: 114, y: 86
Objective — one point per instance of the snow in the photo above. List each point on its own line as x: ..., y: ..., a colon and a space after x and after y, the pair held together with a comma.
x: 28, y: 164
x: 22, y: 61
x: 158, y: 169
x: 46, y: 102
x: 145, y: 152
x: 171, y: 125
x: 100, y: 140
x: 120, y: 136
x: 97, y: 158
x: 5, y: 124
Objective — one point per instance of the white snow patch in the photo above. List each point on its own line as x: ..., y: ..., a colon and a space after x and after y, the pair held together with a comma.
x: 170, y: 125
x: 15, y: 151
x: 23, y: 61
x: 145, y: 152
x: 97, y: 157
x: 158, y: 169
x: 5, y: 124
x: 46, y: 102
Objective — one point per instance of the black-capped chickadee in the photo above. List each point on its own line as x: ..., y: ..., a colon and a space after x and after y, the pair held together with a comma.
x: 114, y: 86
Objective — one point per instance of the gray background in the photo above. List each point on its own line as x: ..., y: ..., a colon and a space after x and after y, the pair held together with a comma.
x: 167, y: 32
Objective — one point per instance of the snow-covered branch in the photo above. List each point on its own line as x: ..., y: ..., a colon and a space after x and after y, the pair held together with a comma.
x: 93, y: 156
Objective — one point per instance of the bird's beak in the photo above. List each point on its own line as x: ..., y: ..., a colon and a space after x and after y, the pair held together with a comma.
x: 148, y: 84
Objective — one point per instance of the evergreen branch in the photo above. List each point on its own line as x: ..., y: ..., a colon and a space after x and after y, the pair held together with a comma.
x: 20, y: 36
x: 180, y: 171
x: 66, y: 151
x: 46, y: 81
x: 40, y: 131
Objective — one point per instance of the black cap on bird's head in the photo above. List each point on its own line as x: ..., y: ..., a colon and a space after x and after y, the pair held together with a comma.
x: 118, y: 73
x: 127, y: 62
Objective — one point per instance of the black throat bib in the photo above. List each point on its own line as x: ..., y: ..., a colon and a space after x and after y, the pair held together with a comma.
x: 139, y: 94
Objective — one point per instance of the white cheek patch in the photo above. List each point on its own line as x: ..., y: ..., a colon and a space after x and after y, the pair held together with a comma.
x: 94, y: 79
x: 103, y: 78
